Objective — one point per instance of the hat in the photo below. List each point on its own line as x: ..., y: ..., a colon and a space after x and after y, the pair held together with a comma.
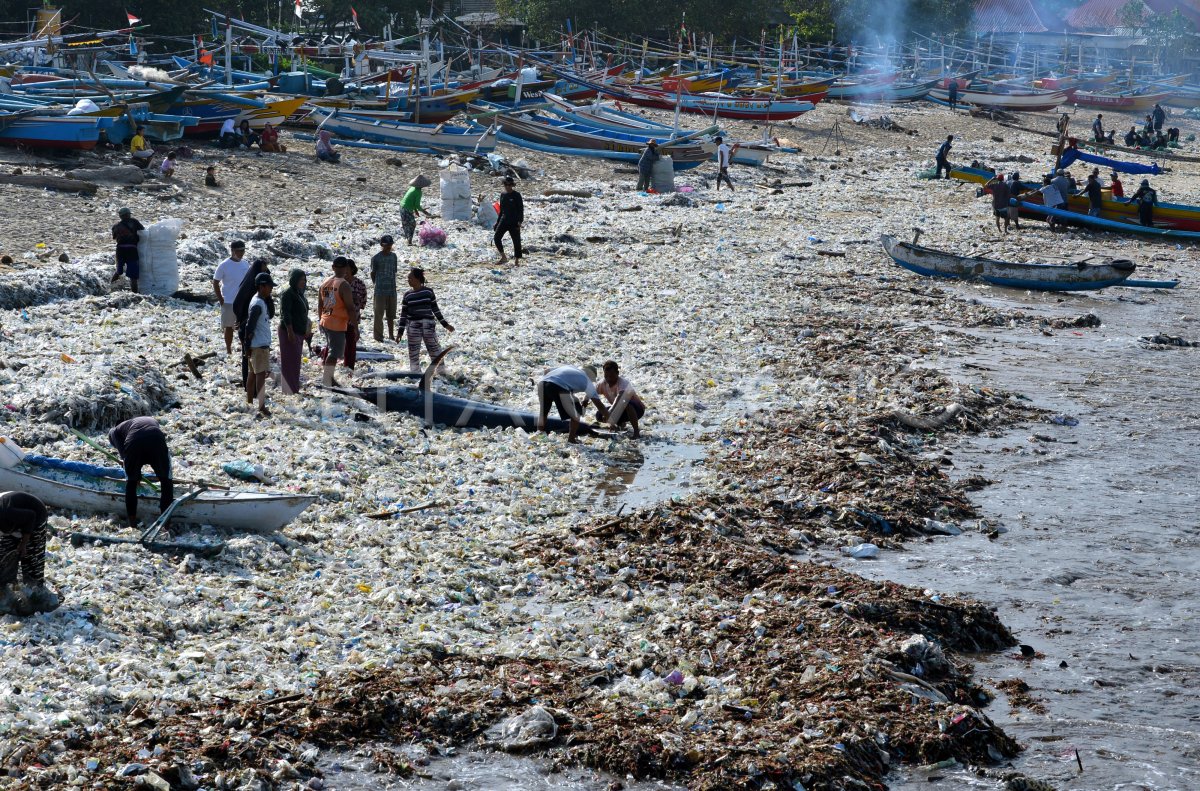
x: 420, y: 182
x: 263, y: 279
x: 124, y: 213
x: 237, y: 244
x: 387, y: 239
x: 341, y: 261
x: 590, y: 371
x: 1145, y: 182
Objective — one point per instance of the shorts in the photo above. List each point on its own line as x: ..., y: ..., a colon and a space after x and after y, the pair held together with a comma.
x: 634, y: 410
x: 1013, y: 212
x: 337, y: 345
x: 1000, y: 212
x: 228, y: 319
x: 551, y: 394
x: 128, y: 262
x: 260, y: 360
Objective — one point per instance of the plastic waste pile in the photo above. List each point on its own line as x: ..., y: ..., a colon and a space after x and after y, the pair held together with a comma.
x: 156, y: 255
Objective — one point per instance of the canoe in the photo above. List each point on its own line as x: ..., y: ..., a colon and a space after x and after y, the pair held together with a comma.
x: 76, y: 132
x: 554, y: 136
x: 436, y: 409
x: 1174, y: 216
x: 1102, y: 224
x: 714, y: 104
x: 1024, y: 102
x: 1037, y: 277
x: 345, y: 123
x: 212, y: 114
x: 1121, y: 102
x: 77, y: 492
x: 1156, y: 153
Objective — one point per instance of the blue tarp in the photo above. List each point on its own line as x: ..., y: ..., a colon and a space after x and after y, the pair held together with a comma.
x: 81, y: 467
x: 1072, y: 154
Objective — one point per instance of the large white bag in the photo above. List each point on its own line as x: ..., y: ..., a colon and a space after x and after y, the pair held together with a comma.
x: 157, y: 259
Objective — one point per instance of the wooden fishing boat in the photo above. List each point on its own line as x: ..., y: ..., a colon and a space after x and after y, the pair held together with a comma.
x: 421, y: 137
x: 1155, y: 153
x: 893, y: 93
x: 1023, y: 102
x: 858, y: 89
x: 1121, y: 102
x: 73, y: 132
x: 213, y: 113
x: 1037, y: 276
x: 714, y: 105
x: 1172, y: 216
x: 1102, y: 224
x: 560, y: 137
x: 791, y: 88
x: 80, y: 493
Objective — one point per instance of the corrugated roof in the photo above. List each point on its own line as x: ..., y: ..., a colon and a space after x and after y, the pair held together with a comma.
x: 1100, y: 15
x: 1006, y: 16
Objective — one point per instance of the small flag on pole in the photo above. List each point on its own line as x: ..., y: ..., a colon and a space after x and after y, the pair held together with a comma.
x: 354, y: 16
x: 299, y: 11
x: 133, y: 20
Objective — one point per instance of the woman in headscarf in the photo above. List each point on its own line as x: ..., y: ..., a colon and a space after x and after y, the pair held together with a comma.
x: 293, y: 329
x: 325, y: 151
x: 359, y: 289
x: 241, y: 311
x: 269, y: 142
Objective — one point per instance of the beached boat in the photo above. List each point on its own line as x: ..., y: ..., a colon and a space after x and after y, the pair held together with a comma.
x: 1102, y: 224
x: 1036, y: 276
x: 1019, y: 101
x: 714, y: 104
x: 555, y: 136
x: 1173, y: 216
x: 74, y: 132
x: 1120, y: 102
x: 211, y: 113
x: 421, y: 137
x: 77, y: 492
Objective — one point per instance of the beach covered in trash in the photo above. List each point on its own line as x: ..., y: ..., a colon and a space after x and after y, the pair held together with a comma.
x: 459, y: 587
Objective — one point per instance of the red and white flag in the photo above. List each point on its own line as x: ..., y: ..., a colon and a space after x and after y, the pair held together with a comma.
x: 354, y: 16
x: 133, y: 20
x: 299, y: 11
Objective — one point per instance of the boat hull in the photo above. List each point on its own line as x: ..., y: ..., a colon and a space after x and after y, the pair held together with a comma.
x: 76, y: 493
x: 1023, y: 102
x: 436, y: 409
x: 1039, y: 277
x: 76, y: 133
x: 420, y: 136
x: 1122, y: 103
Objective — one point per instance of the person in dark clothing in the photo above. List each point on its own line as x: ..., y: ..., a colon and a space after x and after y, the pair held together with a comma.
x: 247, y: 136
x: 247, y: 290
x: 1098, y: 128
x: 257, y: 333
x: 23, y: 550
x: 1131, y: 137
x: 140, y: 441
x: 1095, y: 195
x: 1001, y: 192
x: 512, y: 215
x: 1173, y: 134
x: 952, y: 92
x: 646, y: 165
x: 943, y: 157
x: 1159, y: 116
x: 1145, y: 198
x: 125, y: 234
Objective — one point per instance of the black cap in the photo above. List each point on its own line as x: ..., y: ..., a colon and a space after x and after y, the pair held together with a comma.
x: 263, y: 279
x: 387, y: 239
x: 237, y: 244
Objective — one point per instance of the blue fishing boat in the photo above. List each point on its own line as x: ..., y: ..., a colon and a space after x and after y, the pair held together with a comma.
x: 66, y: 132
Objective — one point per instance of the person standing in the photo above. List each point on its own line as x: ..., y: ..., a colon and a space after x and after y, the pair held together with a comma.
x: 336, y: 308
x: 1051, y: 198
x: 383, y: 276
x: 410, y: 207
x: 1098, y: 128
x: 558, y: 388
x: 418, y: 311
x: 952, y: 93
x: 1145, y: 198
x: 1095, y: 195
x: 258, y: 340
x: 140, y: 442
x: 942, y: 158
x: 626, y: 406
x: 139, y: 149
x: 646, y: 165
x: 125, y: 234
x: 1065, y: 187
x: 294, y: 327
x: 241, y: 310
x: 227, y: 277
x: 1001, y: 194
x: 512, y: 216
x: 724, y: 159
x: 1118, y: 189
x: 358, y: 293
x: 23, y: 549
x: 1159, y: 116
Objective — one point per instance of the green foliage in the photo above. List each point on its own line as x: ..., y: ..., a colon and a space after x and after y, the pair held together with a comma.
x: 866, y: 21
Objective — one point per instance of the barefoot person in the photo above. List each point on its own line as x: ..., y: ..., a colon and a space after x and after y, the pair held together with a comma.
x: 383, y: 276
x: 227, y: 277
x: 558, y: 388
x: 418, y: 311
x: 336, y: 306
x: 258, y: 340
x: 626, y: 406
x: 294, y: 327
x: 125, y: 234
x: 140, y: 442
x: 410, y: 207
x: 512, y: 215
x: 23, y: 550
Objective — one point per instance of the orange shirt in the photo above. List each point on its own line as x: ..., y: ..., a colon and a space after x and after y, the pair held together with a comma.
x: 334, y: 314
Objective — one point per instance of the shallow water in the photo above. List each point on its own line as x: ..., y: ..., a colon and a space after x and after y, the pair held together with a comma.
x: 1098, y: 569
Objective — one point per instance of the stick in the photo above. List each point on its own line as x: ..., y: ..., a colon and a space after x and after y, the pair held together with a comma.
x: 409, y: 510
x: 572, y: 193
x: 111, y: 457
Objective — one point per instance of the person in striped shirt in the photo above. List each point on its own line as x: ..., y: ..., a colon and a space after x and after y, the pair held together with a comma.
x: 418, y: 311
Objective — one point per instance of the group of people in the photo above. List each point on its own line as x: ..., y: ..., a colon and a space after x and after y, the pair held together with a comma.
x: 651, y: 155
x: 242, y: 135
x: 1056, y: 190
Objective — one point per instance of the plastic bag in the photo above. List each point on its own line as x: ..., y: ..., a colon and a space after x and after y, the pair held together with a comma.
x: 157, y: 257
x: 430, y: 235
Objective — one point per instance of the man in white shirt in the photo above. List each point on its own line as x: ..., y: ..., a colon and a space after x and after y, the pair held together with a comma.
x: 724, y: 158
x: 258, y: 340
x: 227, y: 278
x: 228, y: 137
x: 627, y: 405
x: 558, y: 388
